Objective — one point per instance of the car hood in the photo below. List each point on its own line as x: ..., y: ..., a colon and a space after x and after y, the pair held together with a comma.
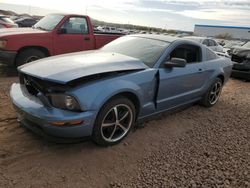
x: 66, y: 68
x: 19, y: 31
x: 240, y: 50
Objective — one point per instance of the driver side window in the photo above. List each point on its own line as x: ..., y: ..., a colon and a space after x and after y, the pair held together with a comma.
x: 76, y: 25
x: 190, y: 53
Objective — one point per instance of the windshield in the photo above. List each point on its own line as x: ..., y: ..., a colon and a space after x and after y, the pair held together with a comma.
x: 144, y: 49
x: 247, y: 45
x: 49, y: 22
x: 230, y: 44
x: 7, y: 20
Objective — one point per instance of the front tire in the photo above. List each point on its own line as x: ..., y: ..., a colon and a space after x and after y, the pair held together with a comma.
x: 29, y: 55
x: 114, y: 121
x: 213, y: 94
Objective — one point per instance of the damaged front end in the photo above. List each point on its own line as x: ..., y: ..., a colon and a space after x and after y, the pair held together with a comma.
x: 51, y: 94
x: 241, y: 67
x: 41, y: 88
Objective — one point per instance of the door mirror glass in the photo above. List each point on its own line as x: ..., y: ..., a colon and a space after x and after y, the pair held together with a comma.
x: 175, y: 62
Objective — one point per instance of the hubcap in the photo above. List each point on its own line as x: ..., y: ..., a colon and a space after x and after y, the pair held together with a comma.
x: 116, y: 123
x: 31, y: 58
x: 215, y: 93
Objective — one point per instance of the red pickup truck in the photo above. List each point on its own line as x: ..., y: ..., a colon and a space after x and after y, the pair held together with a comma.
x: 52, y: 35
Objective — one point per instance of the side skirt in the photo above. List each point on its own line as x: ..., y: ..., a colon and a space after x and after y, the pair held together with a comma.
x: 169, y: 110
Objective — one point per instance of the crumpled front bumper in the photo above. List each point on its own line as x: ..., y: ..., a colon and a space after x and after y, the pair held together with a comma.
x: 38, y: 117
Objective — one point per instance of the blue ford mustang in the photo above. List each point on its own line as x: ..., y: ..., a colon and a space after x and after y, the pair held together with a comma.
x: 102, y: 93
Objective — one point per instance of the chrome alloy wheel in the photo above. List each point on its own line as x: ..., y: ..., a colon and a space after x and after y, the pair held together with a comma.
x: 116, y: 123
x: 215, y: 93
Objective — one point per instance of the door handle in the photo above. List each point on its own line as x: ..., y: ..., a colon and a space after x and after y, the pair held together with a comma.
x: 200, y: 69
x: 86, y: 38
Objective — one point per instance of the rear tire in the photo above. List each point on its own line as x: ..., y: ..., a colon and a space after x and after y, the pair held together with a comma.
x: 29, y: 55
x: 213, y: 94
x: 114, y: 121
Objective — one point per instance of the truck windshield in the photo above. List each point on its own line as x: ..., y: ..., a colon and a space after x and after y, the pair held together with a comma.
x: 144, y: 49
x: 49, y: 22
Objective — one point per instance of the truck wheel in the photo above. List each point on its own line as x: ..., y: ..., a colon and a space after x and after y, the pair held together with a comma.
x: 29, y: 55
x: 114, y: 121
x: 213, y: 94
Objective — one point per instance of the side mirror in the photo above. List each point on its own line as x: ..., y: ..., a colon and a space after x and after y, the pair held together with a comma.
x: 62, y: 31
x: 175, y: 62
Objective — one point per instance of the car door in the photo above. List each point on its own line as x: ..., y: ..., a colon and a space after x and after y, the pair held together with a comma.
x: 73, y: 36
x: 180, y: 85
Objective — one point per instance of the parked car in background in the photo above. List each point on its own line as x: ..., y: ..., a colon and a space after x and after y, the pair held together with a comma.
x: 210, y: 43
x: 26, y: 22
x: 241, y: 59
x: 229, y: 47
x: 6, y: 22
x: 53, y: 35
x: 101, y: 93
x: 107, y: 29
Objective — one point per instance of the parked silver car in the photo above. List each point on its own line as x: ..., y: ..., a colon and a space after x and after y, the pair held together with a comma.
x: 210, y: 43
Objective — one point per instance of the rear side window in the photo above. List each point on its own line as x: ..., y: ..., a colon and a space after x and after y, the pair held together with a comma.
x: 210, y: 55
x: 76, y: 25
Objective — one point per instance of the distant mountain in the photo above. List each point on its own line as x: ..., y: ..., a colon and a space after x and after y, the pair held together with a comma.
x: 12, y: 13
x: 7, y: 12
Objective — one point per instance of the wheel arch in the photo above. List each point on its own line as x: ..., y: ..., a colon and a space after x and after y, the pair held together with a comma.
x: 221, y: 76
x: 41, y: 48
x: 131, y: 96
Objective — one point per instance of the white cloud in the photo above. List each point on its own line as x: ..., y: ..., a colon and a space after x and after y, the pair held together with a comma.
x: 217, y: 14
x: 152, y: 12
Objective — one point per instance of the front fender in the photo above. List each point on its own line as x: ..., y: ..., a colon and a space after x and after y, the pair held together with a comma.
x: 93, y: 96
x: 17, y: 42
x: 114, y: 88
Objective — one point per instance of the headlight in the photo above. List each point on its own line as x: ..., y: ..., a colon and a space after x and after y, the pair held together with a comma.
x: 235, y: 51
x: 64, y: 101
x: 3, y: 43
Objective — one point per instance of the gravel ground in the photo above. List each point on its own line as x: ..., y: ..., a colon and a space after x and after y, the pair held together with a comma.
x: 195, y: 147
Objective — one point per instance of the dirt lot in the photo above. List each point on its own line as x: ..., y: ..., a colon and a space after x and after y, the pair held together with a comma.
x: 196, y: 147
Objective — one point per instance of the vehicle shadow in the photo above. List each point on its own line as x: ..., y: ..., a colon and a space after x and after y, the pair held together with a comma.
x: 7, y: 71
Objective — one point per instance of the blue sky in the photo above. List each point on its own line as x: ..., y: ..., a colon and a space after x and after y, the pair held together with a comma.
x: 169, y: 14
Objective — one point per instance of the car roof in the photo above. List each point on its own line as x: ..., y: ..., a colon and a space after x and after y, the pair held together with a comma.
x: 165, y: 38
x: 195, y: 37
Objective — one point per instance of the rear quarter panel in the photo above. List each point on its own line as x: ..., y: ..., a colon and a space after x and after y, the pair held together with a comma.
x: 218, y: 67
